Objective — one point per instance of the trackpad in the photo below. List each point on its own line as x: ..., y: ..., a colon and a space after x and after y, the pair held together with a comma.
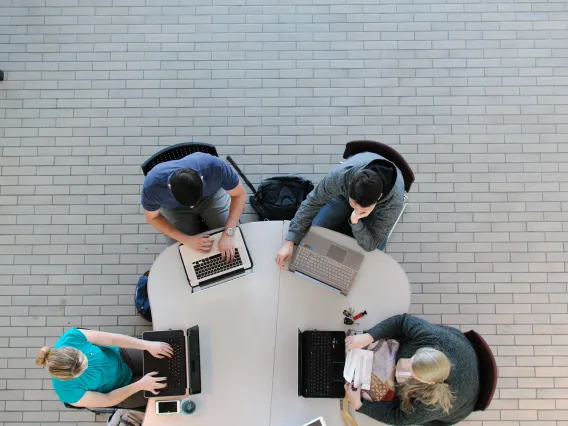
x: 338, y: 371
x: 336, y: 253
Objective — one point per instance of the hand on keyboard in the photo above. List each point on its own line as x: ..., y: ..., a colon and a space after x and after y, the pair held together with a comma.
x: 358, y: 341
x: 151, y: 383
x: 159, y: 349
x: 227, y: 247
x: 202, y: 243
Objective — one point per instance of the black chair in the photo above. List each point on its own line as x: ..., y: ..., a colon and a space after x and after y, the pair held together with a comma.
x: 175, y: 152
x: 109, y: 410
x: 1, y: 75
x: 388, y: 152
x: 488, y: 372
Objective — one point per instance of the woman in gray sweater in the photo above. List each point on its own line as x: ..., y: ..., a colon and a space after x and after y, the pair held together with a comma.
x: 437, y: 374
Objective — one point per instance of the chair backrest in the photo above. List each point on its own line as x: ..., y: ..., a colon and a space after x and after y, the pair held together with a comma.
x: 388, y: 152
x: 175, y: 152
x: 488, y: 373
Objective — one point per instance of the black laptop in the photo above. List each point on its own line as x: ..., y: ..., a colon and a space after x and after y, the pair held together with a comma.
x: 186, y: 353
x: 321, y: 359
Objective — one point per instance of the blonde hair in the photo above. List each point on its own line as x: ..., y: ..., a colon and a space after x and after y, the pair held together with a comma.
x: 430, y: 368
x: 62, y: 363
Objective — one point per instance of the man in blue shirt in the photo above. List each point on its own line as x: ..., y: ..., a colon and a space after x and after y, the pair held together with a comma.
x: 177, y: 193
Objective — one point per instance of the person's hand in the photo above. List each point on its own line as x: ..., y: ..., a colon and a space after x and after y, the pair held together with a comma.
x: 202, y: 243
x: 354, y: 217
x: 354, y: 396
x: 227, y: 247
x: 284, y: 254
x: 358, y: 341
x: 151, y: 383
x: 159, y: 349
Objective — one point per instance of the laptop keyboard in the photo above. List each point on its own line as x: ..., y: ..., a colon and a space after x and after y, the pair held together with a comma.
x: 324, y: 269
x: 176, y: 373
x: 215, y: 264
x: 319, y: 377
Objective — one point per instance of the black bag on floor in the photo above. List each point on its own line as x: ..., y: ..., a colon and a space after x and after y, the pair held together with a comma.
x: 278, y: 197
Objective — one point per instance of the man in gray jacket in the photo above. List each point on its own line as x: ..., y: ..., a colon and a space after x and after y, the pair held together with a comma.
x: 366, y: 192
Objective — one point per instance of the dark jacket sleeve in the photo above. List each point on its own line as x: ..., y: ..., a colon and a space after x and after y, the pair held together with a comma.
x: 403, y: 326
x: 328, y: 188
x: 391, y: 413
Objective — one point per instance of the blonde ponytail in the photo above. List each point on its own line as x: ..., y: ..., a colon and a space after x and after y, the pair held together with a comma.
x: 42, y: 356
x: 62, y: 363
x: 431, y: 368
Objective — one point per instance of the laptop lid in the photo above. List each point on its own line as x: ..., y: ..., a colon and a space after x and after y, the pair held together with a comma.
x: 300, y: 364
x: 194, y: 360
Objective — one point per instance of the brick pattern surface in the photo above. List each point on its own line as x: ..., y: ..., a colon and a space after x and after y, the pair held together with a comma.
x: 473, y: 93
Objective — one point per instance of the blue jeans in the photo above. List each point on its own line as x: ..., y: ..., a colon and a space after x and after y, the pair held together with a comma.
x: 335, y: 215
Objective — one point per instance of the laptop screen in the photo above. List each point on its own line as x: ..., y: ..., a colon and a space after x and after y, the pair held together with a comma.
x: 316, y: 422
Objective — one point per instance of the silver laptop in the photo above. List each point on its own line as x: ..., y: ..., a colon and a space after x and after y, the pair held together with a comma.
x: 324, y: 262
x: 317, y: 422
x: 206, y: 269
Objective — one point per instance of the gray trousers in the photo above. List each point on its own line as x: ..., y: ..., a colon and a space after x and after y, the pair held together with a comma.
x: 134, y: 359
x: 214, y: 211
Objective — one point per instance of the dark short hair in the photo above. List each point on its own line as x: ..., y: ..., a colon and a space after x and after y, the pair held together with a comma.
x: 186, y: 186
x: 365, y: 188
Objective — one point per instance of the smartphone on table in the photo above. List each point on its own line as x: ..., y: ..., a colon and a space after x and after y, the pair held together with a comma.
x: 167, y: 407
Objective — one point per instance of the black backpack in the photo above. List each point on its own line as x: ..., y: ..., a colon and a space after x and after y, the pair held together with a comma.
x: 278, y: 197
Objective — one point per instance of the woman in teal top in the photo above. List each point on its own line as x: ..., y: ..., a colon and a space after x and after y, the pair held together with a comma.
x: 97, y: 369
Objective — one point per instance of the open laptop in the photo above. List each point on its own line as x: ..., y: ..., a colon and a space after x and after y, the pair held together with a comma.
x: 321, y: 359
x: 186, y: 358
x: 205, y: 269
x: 324, y: 262
x: 317, y: 422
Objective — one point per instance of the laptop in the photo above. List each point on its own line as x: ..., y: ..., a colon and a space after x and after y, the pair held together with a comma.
x: 206, y: 269
x: 324, y: 262
x: 321, y: 359
x: 175, y: 369
x: 317, y: 422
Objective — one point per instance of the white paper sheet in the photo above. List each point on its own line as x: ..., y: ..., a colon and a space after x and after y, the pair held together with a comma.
x: 358, y: 368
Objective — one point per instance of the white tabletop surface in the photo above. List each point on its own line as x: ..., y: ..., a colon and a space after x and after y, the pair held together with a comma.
x: 248, y: 329
x: 381, y: 288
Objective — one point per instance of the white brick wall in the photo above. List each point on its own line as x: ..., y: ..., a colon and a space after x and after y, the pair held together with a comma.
x: 472, y: 93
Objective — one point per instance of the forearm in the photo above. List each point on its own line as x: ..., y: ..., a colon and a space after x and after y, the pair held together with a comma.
x: 303, y: 218
x: 391, y: 413
x: 163, y: 225
x: 384, y: 412
x: 391, y: 328
x: 235, y: 210
x: 324, y: 191
x: 366, y: 238
x: 126, y: 342
x: 118, y: 395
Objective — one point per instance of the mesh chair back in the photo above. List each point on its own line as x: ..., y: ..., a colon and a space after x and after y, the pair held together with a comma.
x: 388, y: 152
x: 488, y: 373
x: 175, y: 152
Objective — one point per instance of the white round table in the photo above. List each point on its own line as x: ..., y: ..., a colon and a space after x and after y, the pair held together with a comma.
x: 249, y: 329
